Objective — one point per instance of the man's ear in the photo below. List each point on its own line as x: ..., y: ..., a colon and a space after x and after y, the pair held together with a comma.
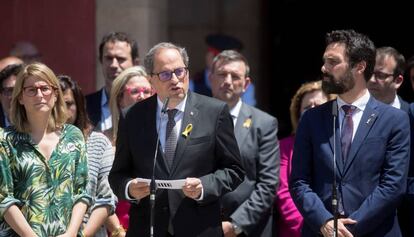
x: 398, y: 81
x: 247, y: 83
x: 360, y: 67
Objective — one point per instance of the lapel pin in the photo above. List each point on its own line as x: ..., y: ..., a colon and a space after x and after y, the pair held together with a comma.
x: 370, y: 119
x: 191, y: 113
x: 187, y: 130
x: 247, y: 123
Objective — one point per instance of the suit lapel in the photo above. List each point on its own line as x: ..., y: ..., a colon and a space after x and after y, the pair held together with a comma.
x: 189, y: 119
x: 368, y: 119
x: 329, y: 131
x: 243, y: 125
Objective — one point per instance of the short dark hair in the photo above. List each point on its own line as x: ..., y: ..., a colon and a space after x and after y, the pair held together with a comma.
x: 12, y: 69
x: 399, y: 59
x: 82, y: 121
x: 122, y: 37
x: 358, y: 48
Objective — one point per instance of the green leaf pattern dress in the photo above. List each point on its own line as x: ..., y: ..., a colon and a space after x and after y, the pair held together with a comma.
x: 45, y: 190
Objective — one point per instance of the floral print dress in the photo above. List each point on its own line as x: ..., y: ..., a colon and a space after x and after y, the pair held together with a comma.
x: 44, y: 190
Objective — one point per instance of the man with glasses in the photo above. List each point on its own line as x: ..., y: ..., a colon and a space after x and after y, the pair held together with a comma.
x: 388, y: 77
x: 383, y: 85
x: 7, y: 80
x: 197, y: 144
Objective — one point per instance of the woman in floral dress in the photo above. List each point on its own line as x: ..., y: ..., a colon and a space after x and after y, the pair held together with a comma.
x: 44, y: 166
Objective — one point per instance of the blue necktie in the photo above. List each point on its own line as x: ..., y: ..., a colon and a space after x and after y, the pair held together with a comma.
x: 347, y: 130
x: 170, y: 137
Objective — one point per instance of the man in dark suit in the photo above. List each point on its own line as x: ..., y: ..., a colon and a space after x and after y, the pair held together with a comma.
x: 197, y: 144
x: 117, y: 52
x: 7, y: 80
x: 388, y: 77
x: 248, y: 209
x: 371, y: 143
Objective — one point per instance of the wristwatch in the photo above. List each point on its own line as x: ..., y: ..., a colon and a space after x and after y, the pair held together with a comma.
x: 237, y: 230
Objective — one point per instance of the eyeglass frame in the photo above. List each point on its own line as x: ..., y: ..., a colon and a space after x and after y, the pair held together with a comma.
x: 139, y: 90
x: 171, y: 73
x: 383, y: 73
x: 52, y: 89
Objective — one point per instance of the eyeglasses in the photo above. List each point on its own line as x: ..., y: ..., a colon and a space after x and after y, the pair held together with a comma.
x: 7, y: 91
x: 382, y: 75
x: 138, y: 90
x: 180, y: 73
x: 32, y: 90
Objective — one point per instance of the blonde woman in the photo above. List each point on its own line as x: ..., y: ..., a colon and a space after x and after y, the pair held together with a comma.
x: 43, y: 183
x: 129, y: 87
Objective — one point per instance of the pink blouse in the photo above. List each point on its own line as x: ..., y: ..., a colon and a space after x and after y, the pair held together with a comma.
x: 290, y: 220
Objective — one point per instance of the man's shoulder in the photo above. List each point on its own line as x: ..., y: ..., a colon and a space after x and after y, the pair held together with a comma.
x: 94, y: 96
x: 258, y: 113
x: 205, y: 101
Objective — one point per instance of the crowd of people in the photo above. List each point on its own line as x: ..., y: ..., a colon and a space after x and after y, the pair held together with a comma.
x: 76, y: 165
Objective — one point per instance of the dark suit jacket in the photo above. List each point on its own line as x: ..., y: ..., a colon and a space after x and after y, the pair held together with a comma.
x: 250, y: 205
x: 209, y: 152
x: 372, y: 179
x: 406, y: 209
x: 93, y: 106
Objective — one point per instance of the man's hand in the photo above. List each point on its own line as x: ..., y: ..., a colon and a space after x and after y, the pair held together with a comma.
x: 327, y: 229
x: 192, y: 188
x: 228, y: 229
x: 138, y: 190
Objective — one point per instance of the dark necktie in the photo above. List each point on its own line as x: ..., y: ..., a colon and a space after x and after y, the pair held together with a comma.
x: 170, y: 137
x: 347, y: 130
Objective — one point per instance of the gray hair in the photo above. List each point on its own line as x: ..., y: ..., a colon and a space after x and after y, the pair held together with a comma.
x: 228, y: 56
x: 149, y: 58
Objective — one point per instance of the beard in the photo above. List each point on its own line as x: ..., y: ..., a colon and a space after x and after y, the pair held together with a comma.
x: 343, y: 84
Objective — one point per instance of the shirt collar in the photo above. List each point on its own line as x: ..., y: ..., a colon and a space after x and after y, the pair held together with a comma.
x: 180, y: 107
x: 236, y: 109
x: 360, y: 103
x: 104, y: 97
x: 396, y: 103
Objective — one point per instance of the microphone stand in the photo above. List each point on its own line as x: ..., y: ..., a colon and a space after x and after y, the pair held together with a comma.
x: 334, y: 185
x: 153, y: 185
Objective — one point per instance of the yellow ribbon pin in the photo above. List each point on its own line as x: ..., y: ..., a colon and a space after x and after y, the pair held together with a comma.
x: 247, y: 123
x: 187, y: 130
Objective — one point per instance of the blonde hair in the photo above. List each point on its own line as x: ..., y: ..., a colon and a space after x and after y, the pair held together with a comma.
x: 298, y: 97
x: 117, y: 91
x: 18, y: 116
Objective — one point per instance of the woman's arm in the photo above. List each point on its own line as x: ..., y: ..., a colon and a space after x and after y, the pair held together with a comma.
x: 100, y: 163
x: 78, y: 211
x: 113, y: 225
x: 14, y: 217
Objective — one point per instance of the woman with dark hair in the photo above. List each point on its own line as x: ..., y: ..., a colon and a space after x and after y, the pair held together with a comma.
x: 100, y: 159
x: 44, y: 172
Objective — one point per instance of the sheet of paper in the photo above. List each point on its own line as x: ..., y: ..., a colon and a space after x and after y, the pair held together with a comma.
x: 165, y: 184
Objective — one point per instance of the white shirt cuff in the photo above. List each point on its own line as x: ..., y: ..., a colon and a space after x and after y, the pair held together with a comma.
x: 201, y: 196
x: 127, y: 193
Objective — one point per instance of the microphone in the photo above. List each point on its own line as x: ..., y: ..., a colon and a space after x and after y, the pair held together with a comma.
x: 334, y: 185
x: 153, y: 186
